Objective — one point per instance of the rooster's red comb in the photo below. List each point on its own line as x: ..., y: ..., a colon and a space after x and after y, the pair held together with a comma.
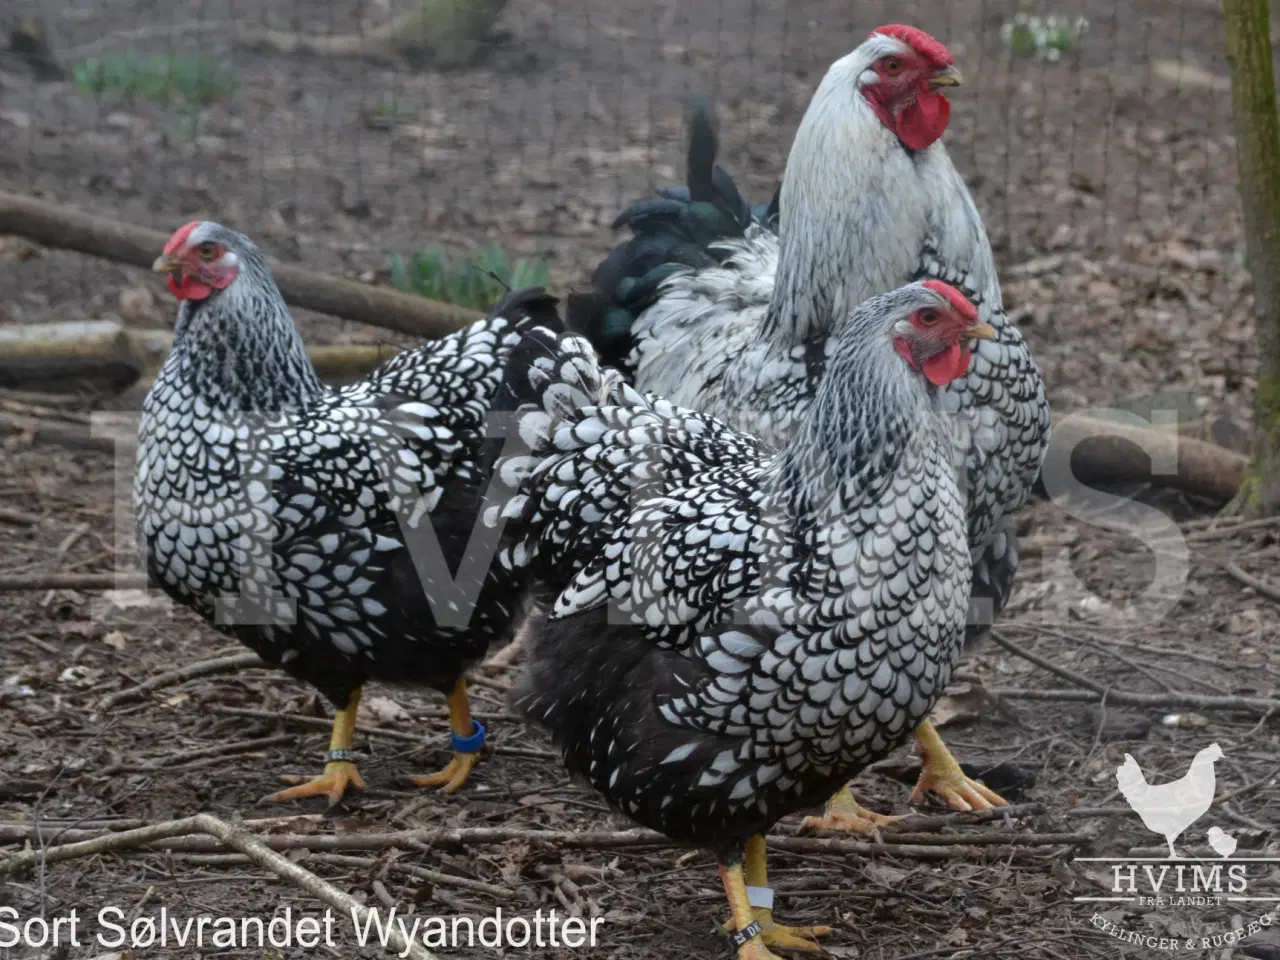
x: 959, y: 302
x: 180, y: 236
x: 919, y: 41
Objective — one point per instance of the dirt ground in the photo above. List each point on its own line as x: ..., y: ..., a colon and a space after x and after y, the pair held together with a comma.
x: 1109, y: 193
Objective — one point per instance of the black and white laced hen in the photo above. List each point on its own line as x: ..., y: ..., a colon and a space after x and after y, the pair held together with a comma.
x: 733, y: 633
x: 324, y: 528
x: 728, y: 309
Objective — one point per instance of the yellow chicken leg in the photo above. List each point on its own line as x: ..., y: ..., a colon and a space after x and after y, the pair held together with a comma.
x: 746, y: 930
x: 845, y: 814
x: 468, y: 742
x: 339, y: 771
x: 760, y: 896
x: 941, y: 775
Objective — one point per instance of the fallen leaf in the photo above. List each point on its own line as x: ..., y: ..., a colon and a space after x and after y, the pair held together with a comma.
x: 115, y: 639
x: 963, y: 703
x: 385, y: 710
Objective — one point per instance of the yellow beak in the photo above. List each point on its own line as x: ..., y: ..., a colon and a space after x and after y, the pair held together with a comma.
x: 948, y: 77
x: 166, y: 263
x: 981, y: 331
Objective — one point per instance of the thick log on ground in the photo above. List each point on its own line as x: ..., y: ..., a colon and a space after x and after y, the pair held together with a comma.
x: 439, y: 33
x: 70, y: 229
x: 1097, y: 451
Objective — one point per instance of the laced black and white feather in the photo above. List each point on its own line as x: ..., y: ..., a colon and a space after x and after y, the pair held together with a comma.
x: 284, y: 510
x: 809, y: 604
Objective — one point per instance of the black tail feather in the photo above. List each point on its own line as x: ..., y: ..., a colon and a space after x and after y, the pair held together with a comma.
x: 677, y: 230
x: 528, y: 307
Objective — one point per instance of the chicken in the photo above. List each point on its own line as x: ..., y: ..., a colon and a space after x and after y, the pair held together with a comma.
x: 728, y: 309
x: 1224, y: 845
x: 734, y: 632
x: 1169, y: 808
x: 323, y: 527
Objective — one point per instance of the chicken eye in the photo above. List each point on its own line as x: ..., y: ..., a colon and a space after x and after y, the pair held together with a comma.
x: 928, y: 318
x: 892, y: 65
x: 207, y: 251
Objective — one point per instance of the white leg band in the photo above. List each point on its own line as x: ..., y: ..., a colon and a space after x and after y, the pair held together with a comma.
x: 760, y: 897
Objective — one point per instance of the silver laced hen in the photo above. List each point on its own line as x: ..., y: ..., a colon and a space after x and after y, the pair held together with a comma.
x: 734, y: 633
x: 728, y: 309
x: 324, y: 528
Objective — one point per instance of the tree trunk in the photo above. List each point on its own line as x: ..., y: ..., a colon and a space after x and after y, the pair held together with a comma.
x: 1253, y: 101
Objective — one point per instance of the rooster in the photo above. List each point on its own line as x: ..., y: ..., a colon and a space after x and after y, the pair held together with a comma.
x: 324, y: 528
x: 1169, y: 808
x: 734, y: 632
x: 729, y: 309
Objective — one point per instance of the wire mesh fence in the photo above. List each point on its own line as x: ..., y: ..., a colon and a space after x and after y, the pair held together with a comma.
x: 1098, y: 128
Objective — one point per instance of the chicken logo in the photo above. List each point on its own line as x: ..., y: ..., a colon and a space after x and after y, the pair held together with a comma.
x: 1127, y: 892
x: 1170, y: 808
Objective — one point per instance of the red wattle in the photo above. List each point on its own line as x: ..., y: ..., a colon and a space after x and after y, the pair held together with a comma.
x: 188, y: 288
x: 924, y: 121
x: 946, y: 366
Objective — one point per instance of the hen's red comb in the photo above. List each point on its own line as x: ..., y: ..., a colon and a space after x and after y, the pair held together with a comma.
x: 958, y: 300
x: 180, y: 236
x: 919, y: 41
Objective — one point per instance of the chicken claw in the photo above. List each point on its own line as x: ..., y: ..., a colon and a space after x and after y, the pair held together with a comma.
x: 453, y: 776
x: 333, y: 783
x: 941, y: 775
x: 845, y: 815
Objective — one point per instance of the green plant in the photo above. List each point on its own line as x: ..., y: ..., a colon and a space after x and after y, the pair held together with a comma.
x: 391, y: 107
x: 195, y: 81
x: 1045, y: 38
x: 477, y: 281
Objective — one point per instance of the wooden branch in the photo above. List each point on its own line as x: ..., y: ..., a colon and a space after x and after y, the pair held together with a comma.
x: 286, y: 869
x: 1260, y: 587
x: 179, y: 836
x: 911, y: 826
x: 70, y: 229
x: 226, y: 835
x: 1068, y: 675
x: 1097, y: 692
x: 1103, y: 451
x: 443, y: 33
x: 109, y: 356
x: 40, y: 431
x: 1193, y: 701
x: 202, y: 668
x: 62, y: 356
x: 73, y: 581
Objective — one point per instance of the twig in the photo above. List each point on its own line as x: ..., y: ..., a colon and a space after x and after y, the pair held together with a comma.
x: 315, y: 723
x: 227, y: 835
x: 180, y: 839
x: 1229, y: 529
x: 17, y: 517
x: 1249, y: 580
x: 420, y: 873
x: 286, y: 869
x: 202, y: 668
x: 16, y: 832
x: 1069, y: 675
x: 73, y: 581
x: 182, y: 761
x: 1197, y: 701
